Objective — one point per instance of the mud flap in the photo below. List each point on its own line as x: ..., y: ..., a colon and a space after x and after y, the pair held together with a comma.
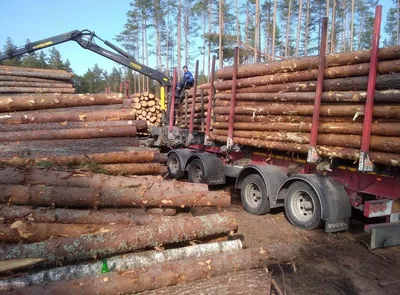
x: 334, y: 225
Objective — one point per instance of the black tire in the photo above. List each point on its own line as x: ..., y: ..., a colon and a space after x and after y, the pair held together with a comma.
x: 254, y: 195
x: 174, y: 166
x: 196, y: 171
x: 302, y: 206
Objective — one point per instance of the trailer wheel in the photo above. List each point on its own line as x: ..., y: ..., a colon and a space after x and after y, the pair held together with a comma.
x: 174, y: 166
x: 254, y: 195
x: 196, y: 171
x: 302, y: 206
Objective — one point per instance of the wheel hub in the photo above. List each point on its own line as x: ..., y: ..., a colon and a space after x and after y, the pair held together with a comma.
x: 198, y: 174
x: 303, y: 206
x: 253, y: 195
x: 173, y: 165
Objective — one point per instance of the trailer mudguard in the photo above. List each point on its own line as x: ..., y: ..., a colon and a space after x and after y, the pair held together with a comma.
x: 214, y: 173
x: 335, y: 202
x: 273, y: 178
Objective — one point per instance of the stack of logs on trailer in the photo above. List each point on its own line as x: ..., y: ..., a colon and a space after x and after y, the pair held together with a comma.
x: 27, y: 80
x: 147, y: 107
x: 60, y: 223
x: 201, y: 108
x: 275, y: 102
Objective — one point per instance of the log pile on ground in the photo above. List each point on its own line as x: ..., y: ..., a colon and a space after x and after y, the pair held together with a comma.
x: 61, y: 223
x: 200, y: 111
x: 46, y: 125
x: 275, y: 101
x: 28, y: 80
x: 147, y: 107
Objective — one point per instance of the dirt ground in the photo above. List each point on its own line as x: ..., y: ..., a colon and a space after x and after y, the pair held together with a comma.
x: 338, y: 263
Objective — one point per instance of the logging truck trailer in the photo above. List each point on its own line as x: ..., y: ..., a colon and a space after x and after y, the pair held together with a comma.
x: 313, y: 191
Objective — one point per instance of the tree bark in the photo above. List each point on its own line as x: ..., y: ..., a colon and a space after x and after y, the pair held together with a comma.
x: 170, y: 273
x: 221, y: 33
x: 82, y: 133
x: 381, y: 129
x: 377, y: 143
x: 123, y: 240
x: 307, y: 29
x: 34, y: 84
x: 256, y: 281
x: 273, y: 33
x: 132, y: 169
x: 69, y: 116
x: 307, y: 63
x: 352, y: 26
x: 22, y: 231
x: 11, y: 213
x: 30, y: 79
x: 383, y: 82
x: 288, y: 24
x: 380, y: 111
x: 38, y: 102
x: 384, y: 67
x: 327, y: 151
x: 146, y: 194
x: 26, y: 72
x: 119, y: 264
x: 381, y: 96
x: 299, y: 27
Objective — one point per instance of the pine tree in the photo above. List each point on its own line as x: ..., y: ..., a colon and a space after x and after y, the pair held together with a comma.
x: 55, y: 62
x: 16, y: 61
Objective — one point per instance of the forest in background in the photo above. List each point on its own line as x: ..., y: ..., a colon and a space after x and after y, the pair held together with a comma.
x: 263, y: 30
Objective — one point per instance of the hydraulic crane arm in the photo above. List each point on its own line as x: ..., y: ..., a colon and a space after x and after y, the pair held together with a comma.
x: 85, y: 39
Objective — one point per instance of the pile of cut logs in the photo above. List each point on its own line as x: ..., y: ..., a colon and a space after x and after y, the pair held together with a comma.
x: 27, y: 80
x: 275, y: 102
x: 59, y: 224
x: 147, y: 107
x: 200, y: 110
x: 42, y: 125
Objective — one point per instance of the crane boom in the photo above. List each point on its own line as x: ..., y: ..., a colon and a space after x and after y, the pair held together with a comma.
x: 85, y: 39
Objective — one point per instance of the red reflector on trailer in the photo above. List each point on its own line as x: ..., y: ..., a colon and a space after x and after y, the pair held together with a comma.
x: 377, y: 208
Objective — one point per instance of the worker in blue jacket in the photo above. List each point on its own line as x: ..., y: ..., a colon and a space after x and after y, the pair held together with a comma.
x: 186, y: 82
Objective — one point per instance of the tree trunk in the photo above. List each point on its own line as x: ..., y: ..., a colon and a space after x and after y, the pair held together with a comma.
x: 299, y: 27
x: 67, y: 116
x: 307, y: 28
x: 37, y: 102
x: 11, y: 213
x: 34, y: 84
x: 21, y: 231
x: 256, y: 281
x: 30, y: 79
x: 170, y: 273
x: 209, y: 40
x: 121, y: 131
x: 382, y: 129
x: 24, y: 72
x: 119, y: 264
x: 384, y: 67
x: 288, y: 24
x: 333, y: 38
x: 123, y: 240
x: 378, y: 143
x: 327, y: 151
x: 273, y: 33
x: 221, y: 34
x: 308, y: 63
x: 132, y: 169
x: 381, y: 96
x: 167, y: 194
x: 186, y: 32
x: 307, y: 110
x: 257, y: 32
x: 35, y: 90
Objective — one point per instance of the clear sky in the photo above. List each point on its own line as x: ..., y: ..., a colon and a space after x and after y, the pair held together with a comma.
x: 39, y: 19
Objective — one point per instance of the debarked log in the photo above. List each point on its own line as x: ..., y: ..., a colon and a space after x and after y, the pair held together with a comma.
x: 383, y: 129
x: 327, y: 151
x: 119, y: 263
x: 171, y: 273
x: 24, y: 72
x: 30, y: 79
x: 69, y: 116
x: 45, y: 101
x: 251, y: 108
x: 35, y: 90
x: 377, y: 143
x: 384, y: 67
x: 35, y: 84
x: 159, y: 194
x: 10, y: 213
x: 123, y: 240
x: 121, y: 131
x: 308, y: 62
x: 25, y: 231
x: 381, y: 96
